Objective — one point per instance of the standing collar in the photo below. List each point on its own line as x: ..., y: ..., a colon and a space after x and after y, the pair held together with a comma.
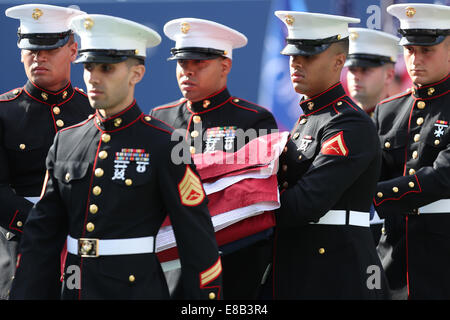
x: 322, y: 99
x: 49, y: 97
x: 432, y: 90
x: 120, y: 120
x: 211, y: 102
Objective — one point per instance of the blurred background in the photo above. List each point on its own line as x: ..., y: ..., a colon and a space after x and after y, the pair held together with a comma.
x: 259, y: 73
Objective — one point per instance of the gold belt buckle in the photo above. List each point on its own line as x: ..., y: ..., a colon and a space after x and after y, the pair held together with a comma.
x: 88, y: 248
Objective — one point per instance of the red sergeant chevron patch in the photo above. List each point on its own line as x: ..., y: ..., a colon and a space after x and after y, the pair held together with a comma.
x: 335, y: 146
x: 190, y: 189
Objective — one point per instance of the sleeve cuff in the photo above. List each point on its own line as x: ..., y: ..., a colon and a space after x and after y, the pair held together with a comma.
x: 396, y: 189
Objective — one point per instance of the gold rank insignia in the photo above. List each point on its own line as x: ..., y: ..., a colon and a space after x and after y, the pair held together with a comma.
x: 37, y: 13
x: 190, y: 189
x: 211, y: 274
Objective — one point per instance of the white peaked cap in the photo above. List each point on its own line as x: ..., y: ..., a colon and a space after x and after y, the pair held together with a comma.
x: 312, y: 33
x: 200, y: 33
x: 103, y: 32
x: 314, y: 26
x: 373, y: 42
x: 42, y: 18
x: 421, y: 15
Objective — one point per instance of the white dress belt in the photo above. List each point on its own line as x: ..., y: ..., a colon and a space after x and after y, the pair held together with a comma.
x: 440, y: 206
x: 32, y: 199
x: 89, y: 247
x: 338, y: 217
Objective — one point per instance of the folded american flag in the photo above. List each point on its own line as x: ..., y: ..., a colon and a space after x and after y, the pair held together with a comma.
x: 242, y: 190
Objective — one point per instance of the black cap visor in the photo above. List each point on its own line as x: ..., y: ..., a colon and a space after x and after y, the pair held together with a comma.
x: 105, y: 56
x: 195, y: 53
x: 43, y: 41
x: 299, y: 47
x: 422, y: 37
x: 366, y: 60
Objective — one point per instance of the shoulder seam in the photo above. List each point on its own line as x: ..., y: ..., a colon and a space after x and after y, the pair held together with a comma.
x: 169, y: 106
x: 252, y: 103
x: 153, y: 126
x: 79, y: 124
x: 82, y: 92
x: 394, y: 97
x: 15, y: 96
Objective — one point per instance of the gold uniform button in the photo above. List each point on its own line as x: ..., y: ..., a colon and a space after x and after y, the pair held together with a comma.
x: 56, y: 110
x: 192, y: 150
x: 67, y: 177
x: 395, y: 189
x: 411, y: 172
x: 430, y: 91
x: 99, y: 172
x: 197, y: 119
x: 415, y: 154
x: 411, y: 184
x: 421, y: 105
x: 117, y: 122
x: 44, y: 96
x: 321, y: 250
x: 16, y: 92
x: 380, y: 194
x: 90, y: 227
x: 206, y: 103
x: 236, y: 100
x: 194, y: 134
x: 419, y: 121
x: 416, y: 137
x: 296, y: 135
x: 339, y: 103
x: 132, y: 278
x: 212, y: 296
x: 300, y: 157
x: 387, y: 144
x: 64, y: 95
x: 436, y: 142
x: 303, y: 121
x: 22, y: 146
x: 19, y: 224
x: 93, y: 208
x: 60, y: 123
x: 97, y: 191
x: 106, y: 137
x: 383, y: 230
x: 103, y: 155
x: 128, y: 182
x: 147, y: 118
